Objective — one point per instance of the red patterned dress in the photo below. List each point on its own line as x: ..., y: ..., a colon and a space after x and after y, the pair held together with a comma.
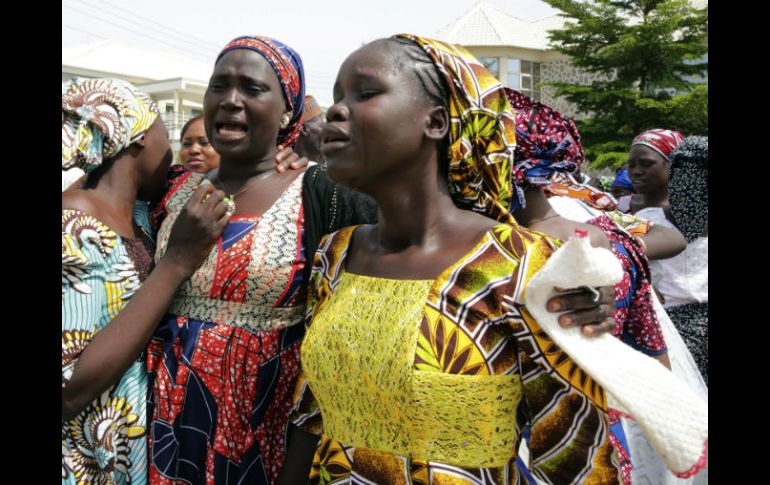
x: 635, y: 321
x: 224, y: 360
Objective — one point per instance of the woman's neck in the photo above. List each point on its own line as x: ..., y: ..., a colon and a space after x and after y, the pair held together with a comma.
x: 242, y: 170
x: 116, y: 186
x: 656, y: 198
x: 415, y: 210
x: 537, y: 207
x: 649, y: 199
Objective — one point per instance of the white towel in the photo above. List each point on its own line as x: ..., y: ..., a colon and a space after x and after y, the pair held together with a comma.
x: 673, y: 417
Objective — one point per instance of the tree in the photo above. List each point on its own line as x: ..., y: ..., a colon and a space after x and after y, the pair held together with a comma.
x: 644, y: 51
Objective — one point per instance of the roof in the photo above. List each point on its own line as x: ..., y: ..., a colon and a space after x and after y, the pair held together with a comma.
x: 134, y: 62
x: 485, y: 25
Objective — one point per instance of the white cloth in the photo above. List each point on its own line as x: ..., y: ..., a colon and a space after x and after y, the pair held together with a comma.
x: 682, y: 279
x: 624, y: 203
x: 673, y: 416
x: 648, y: 466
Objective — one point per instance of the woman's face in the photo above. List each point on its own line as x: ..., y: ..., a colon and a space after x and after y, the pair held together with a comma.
x: 647, y: 169
x: 376, y: 124
x: 154, y: 161
x: 196, y: 153
x: 243, y: 105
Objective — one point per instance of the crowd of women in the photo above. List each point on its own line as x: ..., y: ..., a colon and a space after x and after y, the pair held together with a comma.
x: 252, y: 316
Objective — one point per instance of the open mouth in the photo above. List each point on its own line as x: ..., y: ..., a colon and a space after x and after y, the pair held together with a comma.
x: 230, y: 131
x: 330, y: 134
x: 332, y: 139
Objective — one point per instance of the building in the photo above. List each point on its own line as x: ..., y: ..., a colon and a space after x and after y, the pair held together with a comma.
x: 516, y: 51
x: 176, y: 83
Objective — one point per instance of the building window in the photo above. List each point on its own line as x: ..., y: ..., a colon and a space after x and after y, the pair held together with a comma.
x: 492, y: 65
x: 524, y: 76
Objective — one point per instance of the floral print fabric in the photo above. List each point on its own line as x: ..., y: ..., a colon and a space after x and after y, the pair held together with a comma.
x: 106, y: 442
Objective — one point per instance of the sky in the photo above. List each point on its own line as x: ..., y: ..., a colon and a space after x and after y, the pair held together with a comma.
x: 324, y: 32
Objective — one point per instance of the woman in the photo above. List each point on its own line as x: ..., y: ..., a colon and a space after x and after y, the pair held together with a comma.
x: 231, y: 340
x: 388, y: 135
x: 648, y: 165
x: 622, y: 186
x: 685, y: 278
x: 685, y: 287
x: 196, y: 153
x: 539, y: 128
x: 224, y: 360
x: 309, y: 142
x: 548, y: 144
x: 113, y: 133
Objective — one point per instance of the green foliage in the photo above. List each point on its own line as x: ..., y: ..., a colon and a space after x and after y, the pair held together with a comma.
x: 639, y: 49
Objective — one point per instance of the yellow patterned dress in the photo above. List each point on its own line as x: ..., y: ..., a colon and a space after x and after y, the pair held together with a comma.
x: 432, y: 381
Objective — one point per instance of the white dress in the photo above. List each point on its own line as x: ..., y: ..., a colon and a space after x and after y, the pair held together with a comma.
x: 682, y: 279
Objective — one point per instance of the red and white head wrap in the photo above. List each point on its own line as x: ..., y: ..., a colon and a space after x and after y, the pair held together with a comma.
x: 660, y: 140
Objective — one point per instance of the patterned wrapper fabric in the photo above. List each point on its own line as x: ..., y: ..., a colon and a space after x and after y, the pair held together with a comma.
x: 594, y: 197
x: 107, y: 441
x: 287, y: 65
x: 482, y: 134
x: 688, y: 187
x: 434, y: 381
x: 549, y: 150
x: 101, y: 271
x: 548, y: 142
x: 101, y: 117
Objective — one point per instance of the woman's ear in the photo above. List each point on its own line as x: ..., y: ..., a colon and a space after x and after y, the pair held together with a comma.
x: 140, y: 141
x: 438, y: 123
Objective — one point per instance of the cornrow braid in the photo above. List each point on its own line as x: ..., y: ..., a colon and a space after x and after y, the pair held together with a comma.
x: 433, y: 85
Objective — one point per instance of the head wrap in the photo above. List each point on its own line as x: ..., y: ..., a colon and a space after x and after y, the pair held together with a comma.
x: 660, y: 140
x: 548, y: 142
x: 287, y: 65
x: 312, y: 109
x: 622, y: 180
x: 101, y: 117
x: 482, y: 133
x: 688, y: 194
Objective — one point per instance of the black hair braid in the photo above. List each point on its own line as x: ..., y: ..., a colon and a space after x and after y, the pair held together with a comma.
x: 432, y: 83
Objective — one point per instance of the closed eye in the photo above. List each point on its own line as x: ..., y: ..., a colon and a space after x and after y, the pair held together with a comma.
x: 368, y: 94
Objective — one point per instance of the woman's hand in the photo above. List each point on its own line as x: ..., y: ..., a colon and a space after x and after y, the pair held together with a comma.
x: 119, y: 344
x: 595, y: 317
x: 197, y: 228
x: 287, y: 158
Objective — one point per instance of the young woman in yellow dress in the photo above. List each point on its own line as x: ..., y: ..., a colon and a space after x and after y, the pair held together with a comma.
x: 421, y: 362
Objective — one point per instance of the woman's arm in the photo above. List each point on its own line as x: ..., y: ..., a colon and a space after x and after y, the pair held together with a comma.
x: 120, y: 342
x: 663, y: 242
x: 299, y: 457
